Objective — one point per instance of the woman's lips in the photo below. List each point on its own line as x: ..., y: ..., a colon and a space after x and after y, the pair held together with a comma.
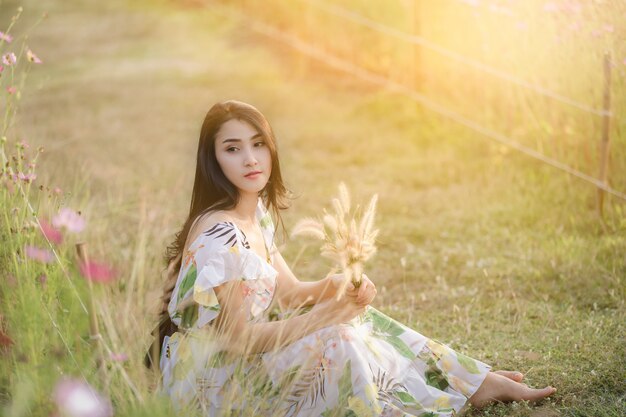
x: 253, y: 176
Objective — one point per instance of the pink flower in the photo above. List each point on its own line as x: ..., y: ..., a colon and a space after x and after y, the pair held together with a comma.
x: 40, y: 255
x: 573, y: 7
x: 51, y: 233
x: 551, y: 7
x: 119, y: 357
x: 1, y: 68
x: 26, y: 177
x: 76, y: 398
x: 11, y: 90
x: 9, y: 58
x: 32, y: 57
x: 43, y: 278
x: 57, y: 190
x: 69, y: 219
x: 521, y: 25
x: 97, y: 272
x: 6, y: 37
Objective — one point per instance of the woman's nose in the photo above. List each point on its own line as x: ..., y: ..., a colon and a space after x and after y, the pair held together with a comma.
x: 250, y: 159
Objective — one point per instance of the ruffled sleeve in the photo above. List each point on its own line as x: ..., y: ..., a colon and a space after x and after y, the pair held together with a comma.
x: 220, y: 255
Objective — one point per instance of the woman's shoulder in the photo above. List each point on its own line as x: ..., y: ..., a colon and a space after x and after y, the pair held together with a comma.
x: 217, y: 226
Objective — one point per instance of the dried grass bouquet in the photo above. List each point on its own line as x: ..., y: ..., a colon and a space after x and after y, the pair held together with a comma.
x: 345, y: 243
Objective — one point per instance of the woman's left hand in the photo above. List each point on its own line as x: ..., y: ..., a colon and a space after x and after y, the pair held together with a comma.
x: 366, y: 292
x: 362, y: 295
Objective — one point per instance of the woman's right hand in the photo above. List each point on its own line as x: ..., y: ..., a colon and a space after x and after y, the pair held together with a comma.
x: 333, y: 311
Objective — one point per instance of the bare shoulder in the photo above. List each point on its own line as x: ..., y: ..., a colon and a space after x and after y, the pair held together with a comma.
x: 205, y: 222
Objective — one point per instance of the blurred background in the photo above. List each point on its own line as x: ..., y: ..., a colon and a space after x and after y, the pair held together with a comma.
x: 494, y: 133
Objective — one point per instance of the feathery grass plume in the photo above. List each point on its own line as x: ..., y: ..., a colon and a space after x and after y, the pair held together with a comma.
x: 309, y: 227
x: 347, y: 244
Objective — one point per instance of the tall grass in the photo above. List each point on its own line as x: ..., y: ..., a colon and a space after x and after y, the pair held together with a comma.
x: 480, y: 247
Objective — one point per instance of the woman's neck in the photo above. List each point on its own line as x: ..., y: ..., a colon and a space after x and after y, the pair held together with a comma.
x: 245, y: 211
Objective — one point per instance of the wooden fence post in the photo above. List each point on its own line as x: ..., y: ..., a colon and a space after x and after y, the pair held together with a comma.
x: 416, y: 56
x: 604, y: 145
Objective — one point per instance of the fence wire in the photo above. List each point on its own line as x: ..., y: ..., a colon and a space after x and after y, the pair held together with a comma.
x: 357, y: 18
x: 345, y: 66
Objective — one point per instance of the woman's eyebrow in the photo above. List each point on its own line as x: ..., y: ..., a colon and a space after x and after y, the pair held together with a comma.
x: 239, y: 140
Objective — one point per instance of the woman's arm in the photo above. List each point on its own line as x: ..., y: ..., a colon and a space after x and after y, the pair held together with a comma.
x: 292, y: 293
x: 238, y: 335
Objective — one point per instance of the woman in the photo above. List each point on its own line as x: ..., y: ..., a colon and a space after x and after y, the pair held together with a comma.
x: 221, y: 350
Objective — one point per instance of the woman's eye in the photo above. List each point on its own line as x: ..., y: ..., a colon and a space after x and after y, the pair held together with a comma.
x: 260, y: 143
x: 229, y: 149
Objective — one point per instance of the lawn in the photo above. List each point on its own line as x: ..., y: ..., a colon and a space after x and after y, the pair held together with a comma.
x: 494, y: 253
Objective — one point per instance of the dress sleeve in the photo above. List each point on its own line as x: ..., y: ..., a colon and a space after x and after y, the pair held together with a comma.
x: 213, y: 269
x: 220, y: 259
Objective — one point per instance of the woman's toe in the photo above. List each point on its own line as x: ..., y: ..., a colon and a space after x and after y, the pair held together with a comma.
x: 538, y: 394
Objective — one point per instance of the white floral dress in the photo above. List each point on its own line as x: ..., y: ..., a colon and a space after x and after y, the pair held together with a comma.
x: 369, y: 366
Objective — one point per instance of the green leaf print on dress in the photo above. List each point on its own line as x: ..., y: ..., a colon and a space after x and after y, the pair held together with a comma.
x: 408, y: 400
x: 187, y: 282
x: 468, y: 363
x: 266, y: 221
x: 388, y: 329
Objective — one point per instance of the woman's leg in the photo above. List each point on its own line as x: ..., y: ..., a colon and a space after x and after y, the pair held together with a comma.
x: 499, y: 386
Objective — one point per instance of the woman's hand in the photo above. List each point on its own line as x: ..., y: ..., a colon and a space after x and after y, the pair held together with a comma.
x: 364, y: 295
x: 333, y: 311
x: 366, y: 291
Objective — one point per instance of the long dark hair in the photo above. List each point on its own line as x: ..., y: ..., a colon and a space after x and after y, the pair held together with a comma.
x: 213, y: 191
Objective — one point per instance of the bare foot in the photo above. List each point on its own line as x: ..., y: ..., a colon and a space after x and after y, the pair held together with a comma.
x: 497, y: 387
x: 514, y: 375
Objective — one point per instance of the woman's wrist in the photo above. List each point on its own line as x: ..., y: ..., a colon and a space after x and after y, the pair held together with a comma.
x: 329, y: 288
x: 317, y: 317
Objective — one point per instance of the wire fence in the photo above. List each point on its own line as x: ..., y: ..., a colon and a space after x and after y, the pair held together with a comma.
x: 343, y: 13
x: 383, y: 81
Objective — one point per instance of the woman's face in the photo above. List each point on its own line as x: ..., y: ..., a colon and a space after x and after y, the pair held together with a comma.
x: 241, y: 150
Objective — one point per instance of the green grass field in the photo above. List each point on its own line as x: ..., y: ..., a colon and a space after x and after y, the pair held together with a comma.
x: 498, y: 255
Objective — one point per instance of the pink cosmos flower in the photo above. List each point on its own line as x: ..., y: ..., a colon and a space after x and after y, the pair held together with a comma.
x: 1, y: 68
x: 38, y: 254
x: 97, y: 272
x: 26, y: 177
x: 119, y: 357
x: 51, y: 233
x: 11, y: 90
x: 9, y: 58
x: 68, y: 219
x: 76, y: 398
x: 6, y: 37
x: 521, y: 25
x: 573, y: 7
x: 551, y: 7
x: 32, y: 57
x: 57, y: 190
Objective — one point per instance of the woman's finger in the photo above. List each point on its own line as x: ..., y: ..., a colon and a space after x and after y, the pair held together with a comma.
x: 362, y: 289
